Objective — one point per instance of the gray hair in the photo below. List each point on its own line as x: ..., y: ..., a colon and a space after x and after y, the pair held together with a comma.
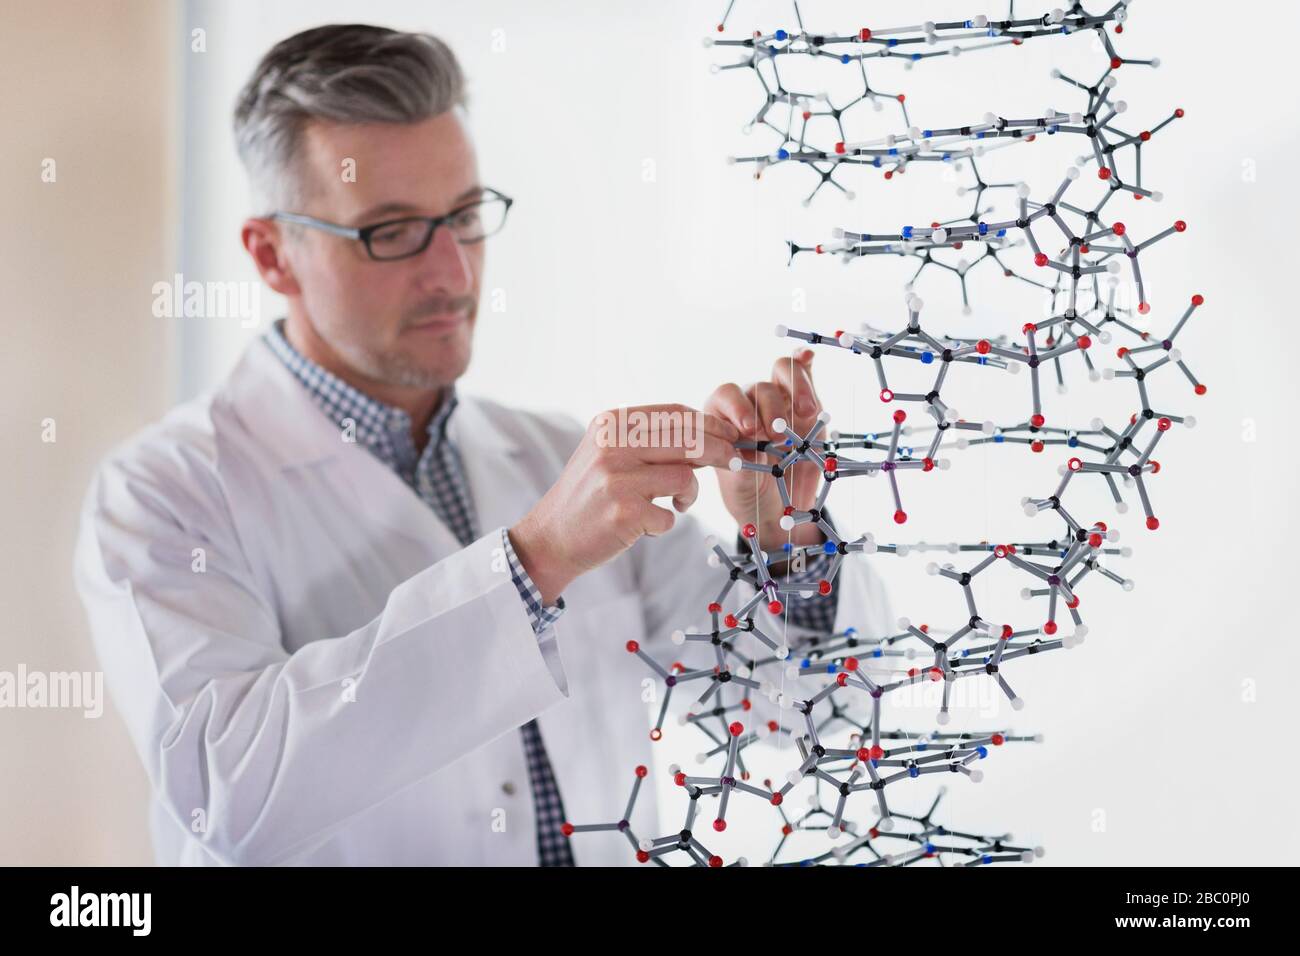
x: 343, y: 73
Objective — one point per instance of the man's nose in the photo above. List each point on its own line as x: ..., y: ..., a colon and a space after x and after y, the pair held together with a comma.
x: 446, y: 264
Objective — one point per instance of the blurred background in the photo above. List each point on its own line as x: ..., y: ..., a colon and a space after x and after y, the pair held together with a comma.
x: 639, y: 266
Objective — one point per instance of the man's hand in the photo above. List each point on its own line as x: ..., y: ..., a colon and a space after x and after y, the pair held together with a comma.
x: 749, y: 495
x: 603, y: 500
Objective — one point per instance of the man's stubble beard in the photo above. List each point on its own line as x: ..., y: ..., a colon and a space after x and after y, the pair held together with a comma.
x: 400, y: 369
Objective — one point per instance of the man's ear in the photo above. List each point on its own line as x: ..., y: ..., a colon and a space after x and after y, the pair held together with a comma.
x: 265, y: 243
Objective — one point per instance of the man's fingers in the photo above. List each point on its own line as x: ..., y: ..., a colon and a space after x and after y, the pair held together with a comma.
x: 667, y: 418
x: 795, y: 376
x: 667, y: 433
x: 656, y: 520
x: 773, y: 403
x: 701, y: 451
x: 730, y: 402
x: 683, y: 500
x: 676, y: 481
x: 720, y: 426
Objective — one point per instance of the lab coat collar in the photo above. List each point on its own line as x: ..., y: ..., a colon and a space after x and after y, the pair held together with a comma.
x: 270, y: 401
x: 276, y: 411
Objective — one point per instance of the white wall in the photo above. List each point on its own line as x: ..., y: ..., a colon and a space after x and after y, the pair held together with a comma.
x: 639, y: 267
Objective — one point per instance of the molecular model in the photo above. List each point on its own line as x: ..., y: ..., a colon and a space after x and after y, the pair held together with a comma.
x: 822, y: 699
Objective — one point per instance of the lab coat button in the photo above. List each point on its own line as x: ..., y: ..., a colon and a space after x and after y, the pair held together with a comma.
x: 508, y: 788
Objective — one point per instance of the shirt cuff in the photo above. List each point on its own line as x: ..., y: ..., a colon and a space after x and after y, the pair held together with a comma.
x: 541, y: 617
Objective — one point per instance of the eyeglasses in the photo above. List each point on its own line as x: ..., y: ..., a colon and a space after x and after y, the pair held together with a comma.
x: 411, y: 235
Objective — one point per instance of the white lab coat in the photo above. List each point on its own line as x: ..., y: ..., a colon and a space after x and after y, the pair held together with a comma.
x: 314, y: 671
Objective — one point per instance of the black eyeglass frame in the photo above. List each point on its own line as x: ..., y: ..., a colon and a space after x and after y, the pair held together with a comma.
x: 363, y: 233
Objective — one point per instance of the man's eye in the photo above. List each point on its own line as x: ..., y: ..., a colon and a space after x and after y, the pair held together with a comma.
x: 394, y: 233
x: 467, y: 217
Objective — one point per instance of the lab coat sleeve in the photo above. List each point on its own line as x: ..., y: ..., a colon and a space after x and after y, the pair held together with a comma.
x: 541, y: 618
x: 261, y: 753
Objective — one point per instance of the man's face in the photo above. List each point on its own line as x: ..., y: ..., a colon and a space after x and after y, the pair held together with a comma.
x: 410, y: 322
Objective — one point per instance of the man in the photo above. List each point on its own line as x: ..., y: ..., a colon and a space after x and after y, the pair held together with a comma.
x: 350, y: 616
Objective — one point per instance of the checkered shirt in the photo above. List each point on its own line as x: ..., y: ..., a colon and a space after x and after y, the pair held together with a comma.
x: 438, y: 477
x: 816, y: 612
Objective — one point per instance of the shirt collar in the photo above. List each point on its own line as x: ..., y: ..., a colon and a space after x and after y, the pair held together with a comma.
x: 383, y: 428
